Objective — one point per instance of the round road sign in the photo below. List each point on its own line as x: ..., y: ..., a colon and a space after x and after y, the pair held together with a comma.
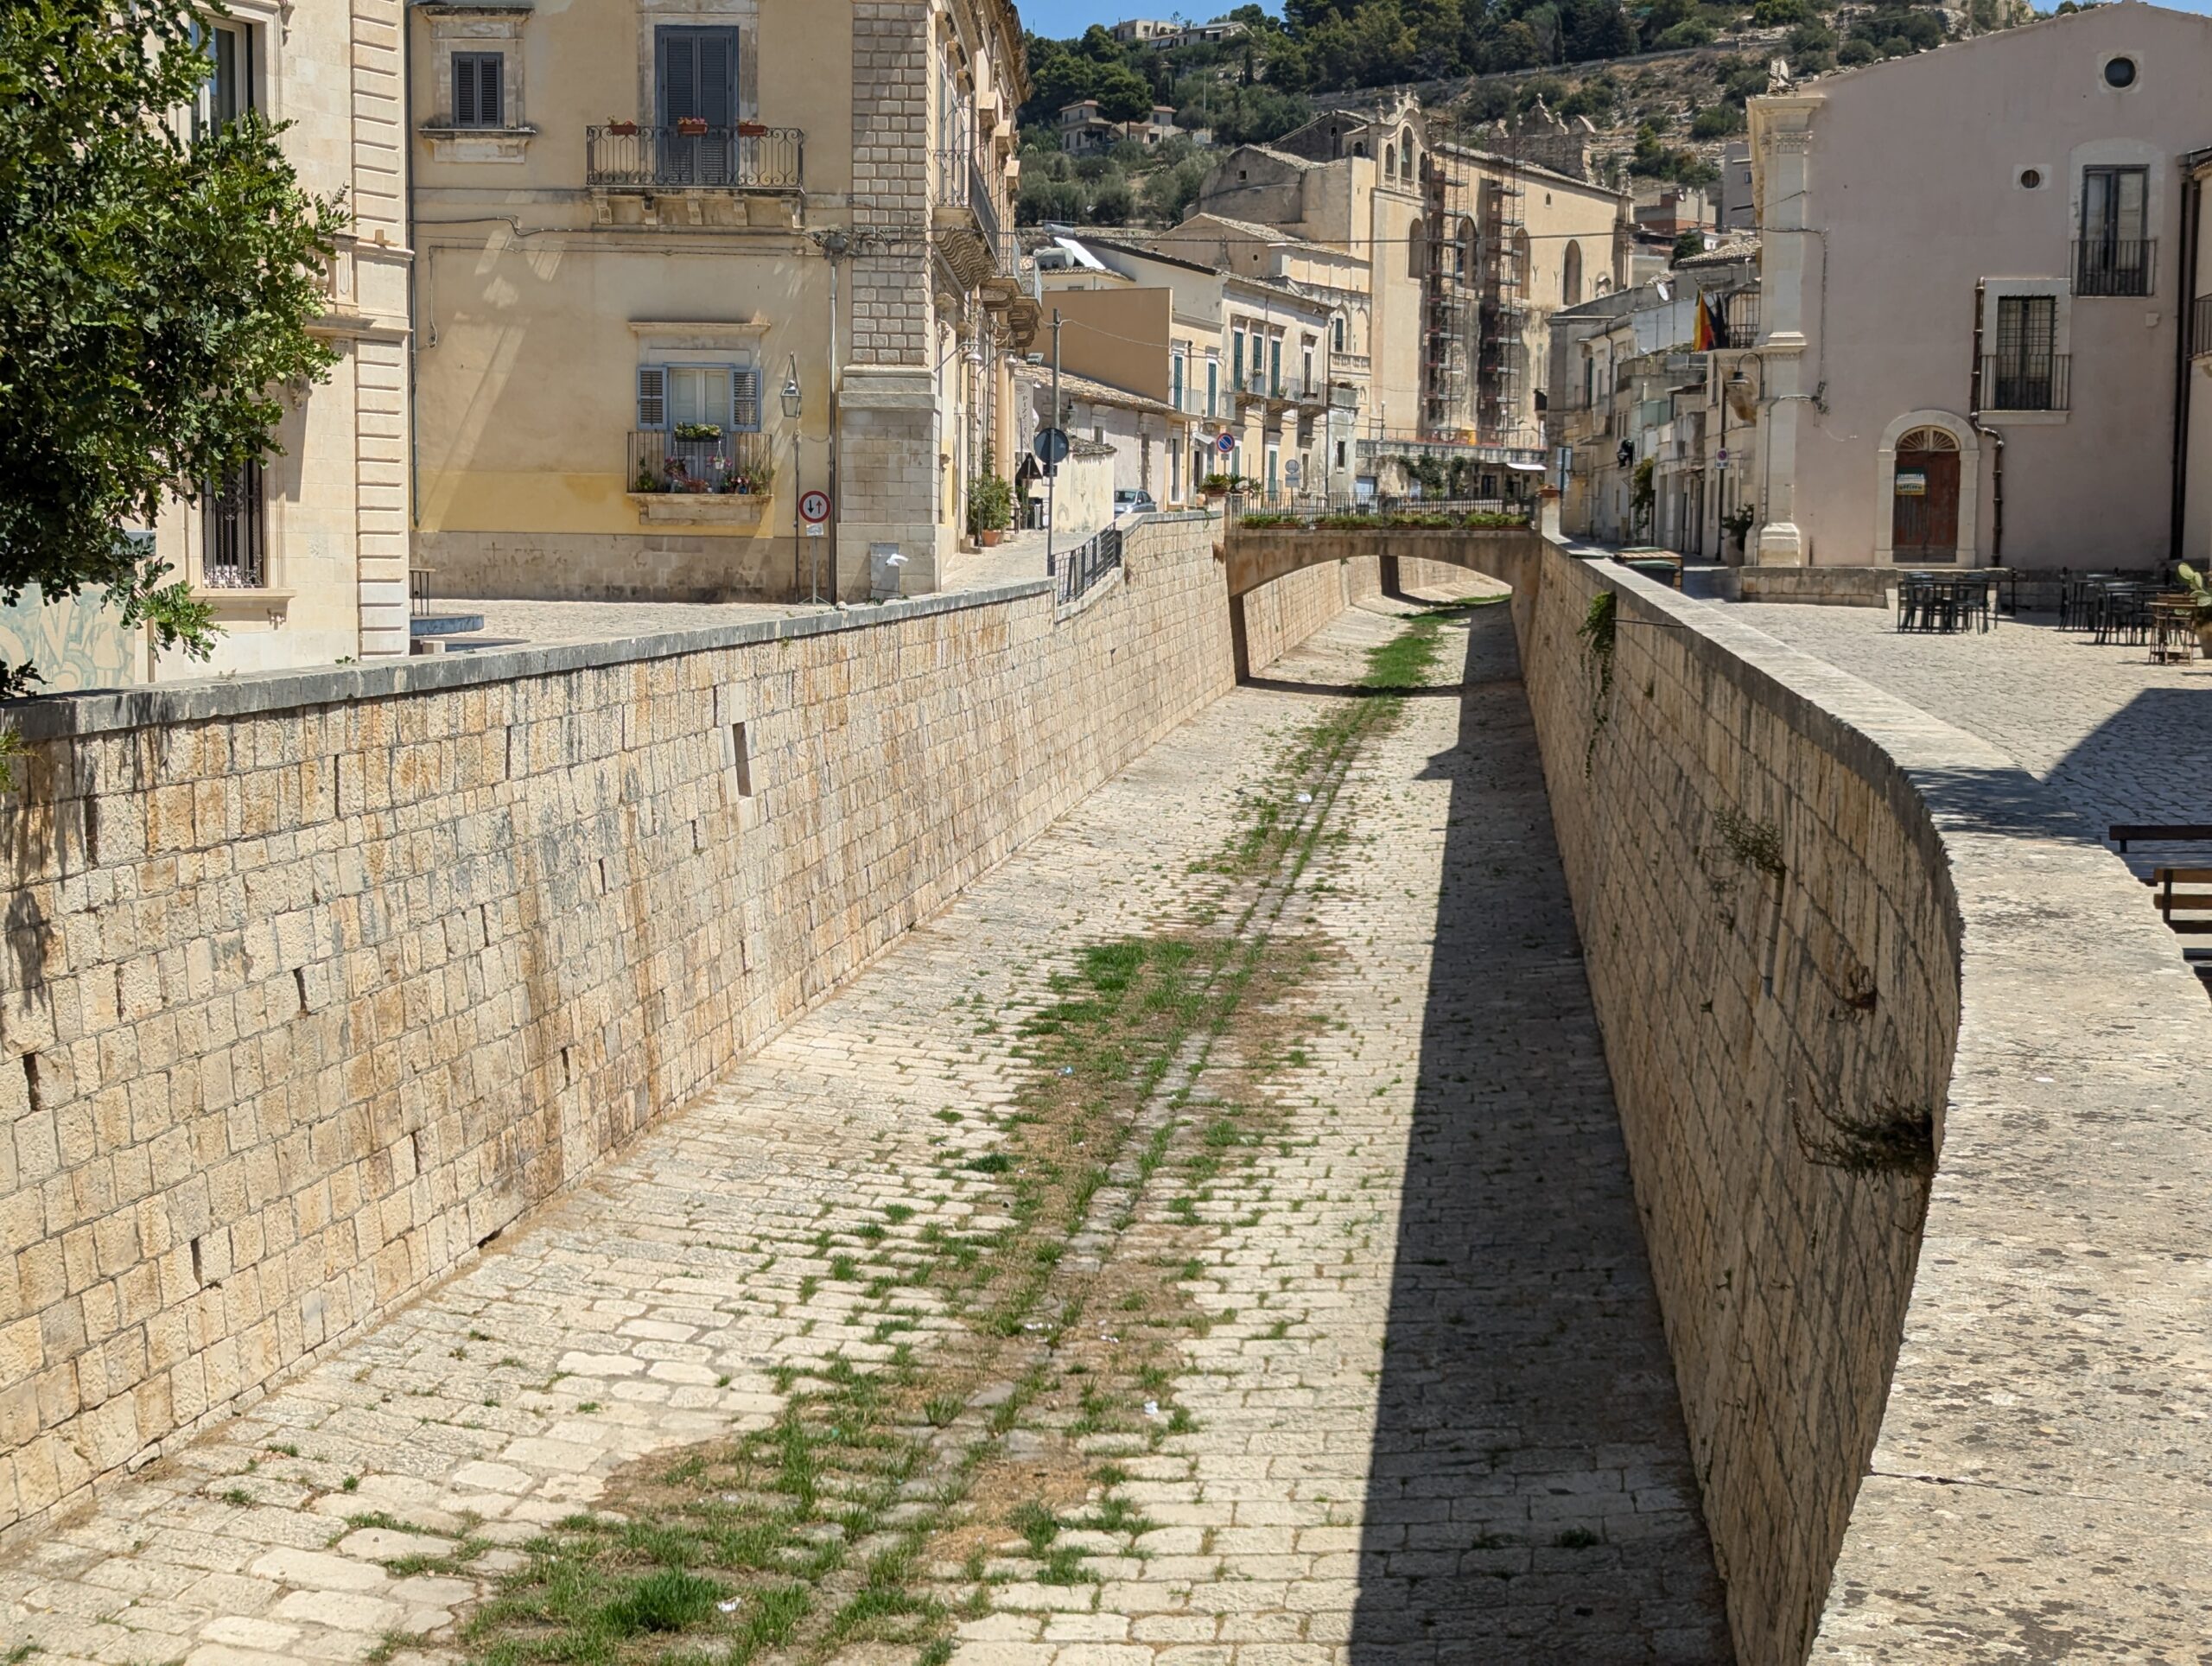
x: 1051, y: 446
x: 814, y: 507
x: 1225, y: 443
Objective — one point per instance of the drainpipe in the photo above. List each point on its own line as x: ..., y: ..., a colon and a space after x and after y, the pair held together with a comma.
x: 834, y: 245
x: 2192, y: 220
x: 1996, y: 440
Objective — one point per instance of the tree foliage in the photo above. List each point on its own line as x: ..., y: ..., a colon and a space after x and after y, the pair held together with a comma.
x: 155, y: 296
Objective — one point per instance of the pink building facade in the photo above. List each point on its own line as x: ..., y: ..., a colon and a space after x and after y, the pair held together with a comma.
x: 1979, y: 265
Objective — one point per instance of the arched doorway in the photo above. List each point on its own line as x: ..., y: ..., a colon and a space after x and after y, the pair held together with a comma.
x: 1570, y: 276
x: 1924, y: 499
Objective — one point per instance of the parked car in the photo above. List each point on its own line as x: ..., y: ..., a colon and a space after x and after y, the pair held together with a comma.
x: 1133, y: 500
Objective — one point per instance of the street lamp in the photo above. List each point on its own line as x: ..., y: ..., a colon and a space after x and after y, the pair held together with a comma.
x: 793, y: 403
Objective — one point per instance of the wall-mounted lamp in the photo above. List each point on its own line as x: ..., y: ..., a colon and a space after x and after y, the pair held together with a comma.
x: 792, y: 401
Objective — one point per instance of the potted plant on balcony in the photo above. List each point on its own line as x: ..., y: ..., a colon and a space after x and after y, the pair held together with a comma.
x: 752, y: 130
x: 1218, y: 486
x: 697, y: 432
x: 990, y: 503
x: 692, y: 127
x: 625, y: 129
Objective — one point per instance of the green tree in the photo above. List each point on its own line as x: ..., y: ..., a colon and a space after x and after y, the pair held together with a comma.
x: 156, y: 293
x: 1122, y: 94
x: 1688, y: 246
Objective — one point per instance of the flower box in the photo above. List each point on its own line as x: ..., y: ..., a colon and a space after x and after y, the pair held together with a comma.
x: 692, y: 127
x: 625, y: 129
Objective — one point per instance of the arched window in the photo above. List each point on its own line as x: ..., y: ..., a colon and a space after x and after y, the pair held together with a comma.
x: 1336, y: 334
x: 1570, y: 278
x: 1389, y: 162
x: 1406, y: 149
x: 1466, y: 249
x: 1417, y: 248
x: 1928, y: 439
x: 1359, y: 147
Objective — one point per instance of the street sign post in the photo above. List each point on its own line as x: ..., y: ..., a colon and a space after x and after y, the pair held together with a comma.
x: 1225, y: 443
x: 814, y: 507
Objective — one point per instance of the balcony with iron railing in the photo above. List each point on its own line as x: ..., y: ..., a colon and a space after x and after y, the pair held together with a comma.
x: 968, y: 183
x: 2038, y: 382
x: 691, y: 156
x: 2114, y: 266
x: 695, y: 472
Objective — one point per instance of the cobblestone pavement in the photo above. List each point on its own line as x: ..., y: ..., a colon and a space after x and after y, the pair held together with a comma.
x: 2118, y: 739
x: 510, y: 621
x: 1432, y: 1418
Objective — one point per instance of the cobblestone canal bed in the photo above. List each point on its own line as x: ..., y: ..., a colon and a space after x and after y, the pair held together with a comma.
x: 1209, y: 1240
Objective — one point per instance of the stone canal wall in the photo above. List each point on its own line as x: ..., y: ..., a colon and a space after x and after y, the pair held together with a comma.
x: 315, y: 982
x: 1830, y: 938
x: 1772, y: 946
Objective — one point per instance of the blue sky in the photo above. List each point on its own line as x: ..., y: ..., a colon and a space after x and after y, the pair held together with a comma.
x: 1061, y: 18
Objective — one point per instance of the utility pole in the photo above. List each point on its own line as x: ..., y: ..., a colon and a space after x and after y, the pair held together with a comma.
x: 1052, y: 469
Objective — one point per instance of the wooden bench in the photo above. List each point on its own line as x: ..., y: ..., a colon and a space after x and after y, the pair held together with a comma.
x: 2182, y: 897
x: 2158, y: 833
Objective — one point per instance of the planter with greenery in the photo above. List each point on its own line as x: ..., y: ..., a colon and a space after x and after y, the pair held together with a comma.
x: 990, y: 504
x: 2200, y: 596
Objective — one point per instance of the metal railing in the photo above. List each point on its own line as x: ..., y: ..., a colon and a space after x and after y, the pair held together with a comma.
x: 665, y: 460
x: 2040, y: 383
x: 1736, y: 315
x: 1074, y: 571
x: 1315, y: 505
x: 2114, y: 265
x: 622, y: 156
x: 964, y: 180
x: 2200, y: 325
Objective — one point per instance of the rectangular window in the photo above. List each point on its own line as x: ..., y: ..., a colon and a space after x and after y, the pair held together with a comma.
x: 228, y: 93
x: 1274, y: 365
x: 1340, y: 454
x: 1175, y: 380
x: 1236, y: 360
x: 479, y: 89
x: 2025, y: 373
x: 2114, y: 254
x: 1213, y: 387
x: 234, y: 525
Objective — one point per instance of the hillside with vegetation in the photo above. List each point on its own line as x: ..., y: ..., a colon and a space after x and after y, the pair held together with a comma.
x: 1664, y: 83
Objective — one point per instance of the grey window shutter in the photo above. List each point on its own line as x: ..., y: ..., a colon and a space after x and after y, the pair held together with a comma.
x: 679, y: 74
x: 718, y: 77
x: 491, y: 89
x: 652, y: 397
x: 464, y: 90
x: 745, y: 401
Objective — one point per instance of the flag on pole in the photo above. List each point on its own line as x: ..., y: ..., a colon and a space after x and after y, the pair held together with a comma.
x: 1708, y: 333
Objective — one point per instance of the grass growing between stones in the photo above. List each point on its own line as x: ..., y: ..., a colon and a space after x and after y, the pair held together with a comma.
x: 902, y: 1486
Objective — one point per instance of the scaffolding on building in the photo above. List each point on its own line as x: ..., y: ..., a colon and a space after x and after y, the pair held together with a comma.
x: 1447, y: 291
x: 1500, y: 357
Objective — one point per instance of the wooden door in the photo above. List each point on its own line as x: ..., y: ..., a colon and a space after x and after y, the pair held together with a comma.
x: 1924, y: 500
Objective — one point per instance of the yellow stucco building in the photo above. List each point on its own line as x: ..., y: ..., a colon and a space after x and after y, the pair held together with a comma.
x: 650, y: 230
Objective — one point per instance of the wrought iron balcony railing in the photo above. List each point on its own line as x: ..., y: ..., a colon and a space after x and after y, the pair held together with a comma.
x: 2114, y: 265
x: 748, y: 157
x: 2038, y: 382
x: 717, y: 461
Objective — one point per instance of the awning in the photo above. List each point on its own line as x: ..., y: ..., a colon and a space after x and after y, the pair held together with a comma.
x: 1527, y: 468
